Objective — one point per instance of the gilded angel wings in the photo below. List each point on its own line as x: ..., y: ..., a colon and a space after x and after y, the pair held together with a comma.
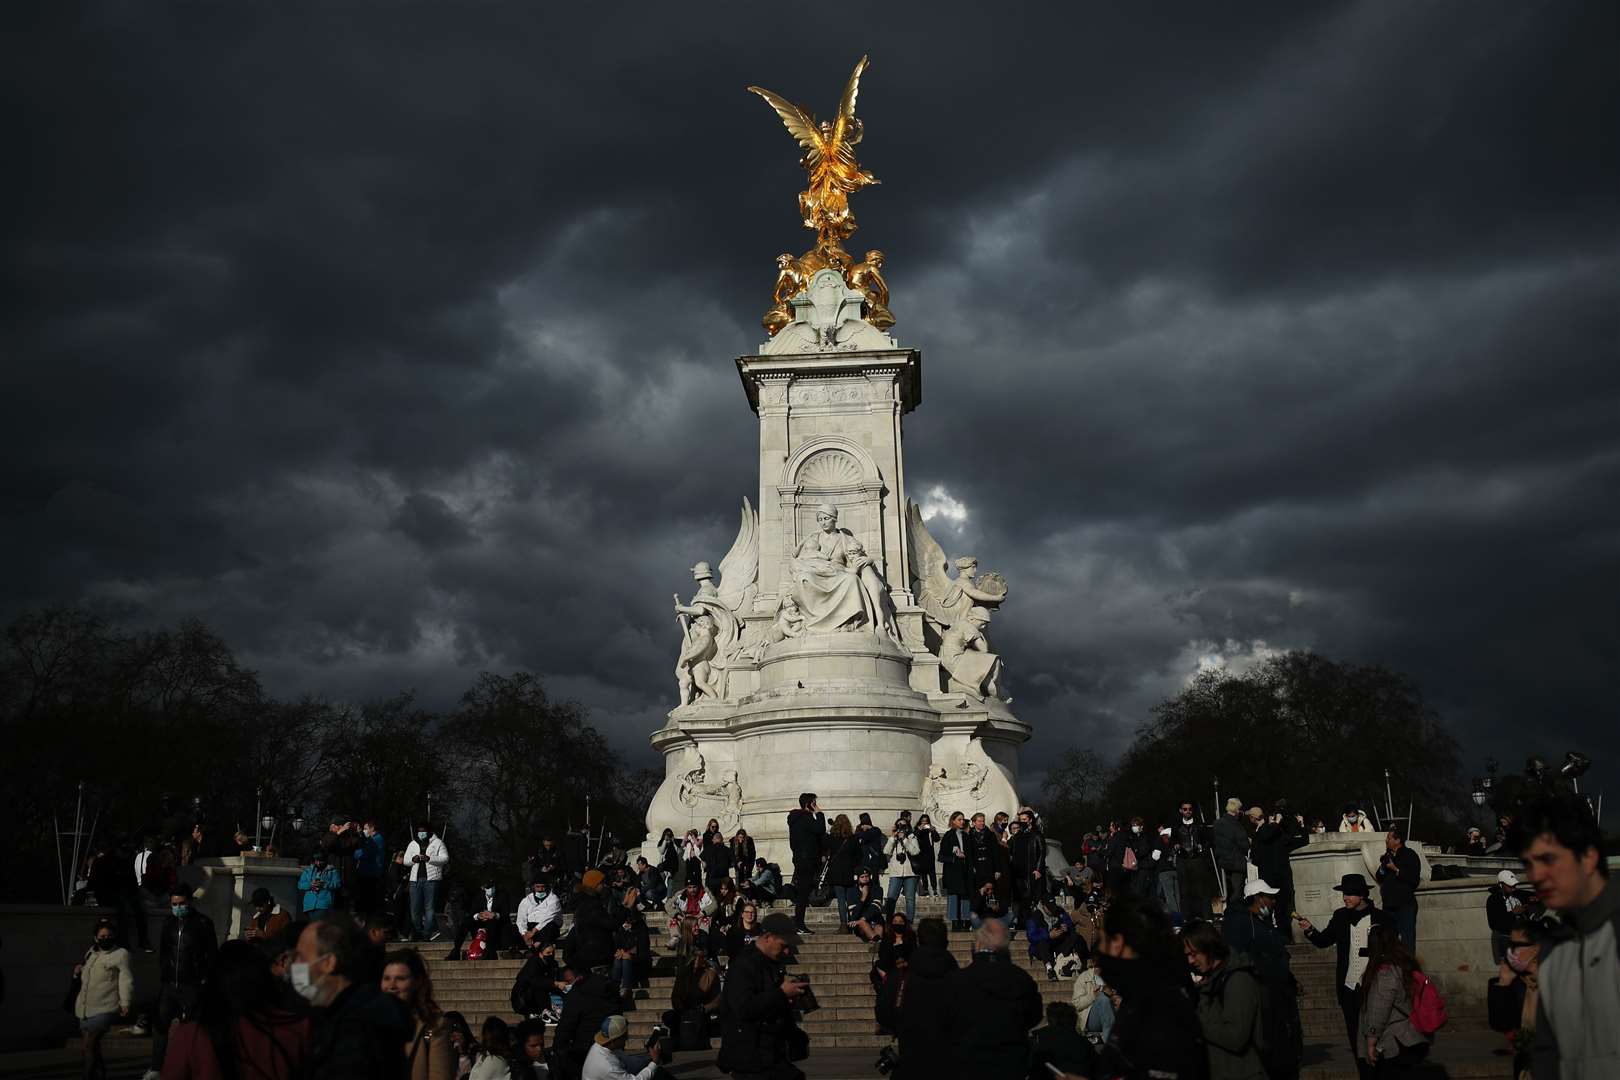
x: 829, y: 158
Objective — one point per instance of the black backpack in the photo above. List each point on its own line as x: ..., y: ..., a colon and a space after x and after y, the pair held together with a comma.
x: 1282, y: 1047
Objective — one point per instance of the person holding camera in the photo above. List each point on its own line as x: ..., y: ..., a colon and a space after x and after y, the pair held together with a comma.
x: 1398, y: 876
x: 759, y: 1038
x: 425, y: 859
x: 604, y: 1061
x: 900, y: 853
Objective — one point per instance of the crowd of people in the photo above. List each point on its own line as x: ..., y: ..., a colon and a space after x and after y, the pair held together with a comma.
x: 1175, y: 939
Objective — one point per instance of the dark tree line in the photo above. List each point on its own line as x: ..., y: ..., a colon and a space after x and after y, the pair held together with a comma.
x: 1298, y: 726
x: 150, y: 720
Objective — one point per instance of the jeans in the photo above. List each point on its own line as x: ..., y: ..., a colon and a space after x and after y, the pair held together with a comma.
x: 1101, y: 1017
x: 907, y: 885
x: 1405, y: 920
x: 957, y: 907
x: 1170, y: 891
x: 424, y: 899
x: 623, y: 973
x: 844, y: 897
x: 174, y: 1003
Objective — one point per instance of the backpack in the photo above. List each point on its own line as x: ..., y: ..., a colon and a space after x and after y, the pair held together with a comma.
x: 1282, y: 1036
x: 1428, y: 1013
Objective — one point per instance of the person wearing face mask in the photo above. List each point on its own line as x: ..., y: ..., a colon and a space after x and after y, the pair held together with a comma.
x: 425, y: 860
x: 1511, y: 997
x: 993, y: 1004
x: 1155, y: 1030
x: 1125, y: 850
x: 249, y: 1024
x: 186, y: 951
x: 360, y: 1032
x: 319, y: 884
x: 539, y: 915
x: 488, y: 913
x: 370, y: 868
x: 106, y: 991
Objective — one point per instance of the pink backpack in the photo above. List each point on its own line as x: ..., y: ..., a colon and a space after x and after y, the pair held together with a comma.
x: 1428, y: 1007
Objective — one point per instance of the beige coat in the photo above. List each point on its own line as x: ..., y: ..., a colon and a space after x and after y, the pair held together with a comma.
x: 430, y: 1053
x: 106, y: 984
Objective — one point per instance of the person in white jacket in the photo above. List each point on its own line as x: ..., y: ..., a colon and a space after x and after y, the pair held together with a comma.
x: 900, y: 855
x: 604, y: 1061
x: 424, y: 861
x: 539, y: 915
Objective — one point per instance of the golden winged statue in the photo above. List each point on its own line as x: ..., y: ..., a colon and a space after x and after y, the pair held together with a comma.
x: 829, y: 159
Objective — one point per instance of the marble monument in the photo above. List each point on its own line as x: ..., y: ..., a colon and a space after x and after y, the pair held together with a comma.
x: 832, y: 649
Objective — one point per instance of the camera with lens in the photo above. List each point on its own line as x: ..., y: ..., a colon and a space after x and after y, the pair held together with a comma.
x: 888, y: 1058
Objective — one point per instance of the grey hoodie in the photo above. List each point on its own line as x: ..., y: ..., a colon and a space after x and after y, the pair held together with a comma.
x: 1577, y: 1037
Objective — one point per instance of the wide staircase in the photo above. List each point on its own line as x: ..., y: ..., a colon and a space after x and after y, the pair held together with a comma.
x: 838, y: 965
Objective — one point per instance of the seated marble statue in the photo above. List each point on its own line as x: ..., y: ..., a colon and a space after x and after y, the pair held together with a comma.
x: 836, y: 583
x: 965, y: 654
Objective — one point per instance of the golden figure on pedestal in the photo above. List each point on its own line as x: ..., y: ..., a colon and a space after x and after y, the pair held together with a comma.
x: 834, y: 174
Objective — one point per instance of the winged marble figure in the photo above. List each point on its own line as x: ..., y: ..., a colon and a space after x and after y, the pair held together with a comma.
x: 829, y: 160
x: 712, y: 625
x: 956, y: 610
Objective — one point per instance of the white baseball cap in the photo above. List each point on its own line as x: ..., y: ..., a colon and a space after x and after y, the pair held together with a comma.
x: 1507, y: 877
x: 1256, y: 887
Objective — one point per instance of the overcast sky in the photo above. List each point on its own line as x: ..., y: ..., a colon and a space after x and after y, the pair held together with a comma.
x: 396, y: 340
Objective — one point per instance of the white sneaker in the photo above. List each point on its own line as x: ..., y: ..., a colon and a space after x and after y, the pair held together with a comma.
x: 151, y: 1074
x: 138, y: 1030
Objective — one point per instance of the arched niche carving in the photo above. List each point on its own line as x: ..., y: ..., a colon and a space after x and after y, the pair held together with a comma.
x: 837, y: 470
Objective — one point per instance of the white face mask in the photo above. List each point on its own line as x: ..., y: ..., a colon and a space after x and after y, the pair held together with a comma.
x: 1136, y: 828
x: 298, y: 974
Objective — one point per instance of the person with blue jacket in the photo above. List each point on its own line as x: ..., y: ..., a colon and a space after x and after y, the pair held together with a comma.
x: 370, y: 866
x: 319, y: 883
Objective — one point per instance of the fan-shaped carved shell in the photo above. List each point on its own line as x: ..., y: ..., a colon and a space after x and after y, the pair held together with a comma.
x: 830, y: 469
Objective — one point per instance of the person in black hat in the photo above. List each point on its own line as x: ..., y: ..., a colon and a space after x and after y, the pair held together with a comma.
x: 1348, y: 930
x: 759, y: 1039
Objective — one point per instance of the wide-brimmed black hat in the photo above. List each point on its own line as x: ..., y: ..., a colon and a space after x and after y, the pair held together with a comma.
x: 1353, y: 885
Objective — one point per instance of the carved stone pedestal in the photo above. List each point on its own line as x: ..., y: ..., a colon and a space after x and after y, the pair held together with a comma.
x: 821, y: 641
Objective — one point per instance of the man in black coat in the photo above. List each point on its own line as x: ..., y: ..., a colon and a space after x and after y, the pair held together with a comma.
x: 993, y: 1004
x: 590, y: 942
x: 488, y: 912
x: 1027, y: 854
x: 1348, y: 931
x: 1399, y: 874
x: 1194, y: 861
x: 360, y: 1032
x: 592, y: 999
x: 807, y: 838
x: 918, y: 1014
x: 186, y: 951
x: 757, y: 1029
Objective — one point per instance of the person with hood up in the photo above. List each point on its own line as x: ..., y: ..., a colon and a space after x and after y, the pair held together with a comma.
x: 1229, y: 1002
x: 994, y: 1003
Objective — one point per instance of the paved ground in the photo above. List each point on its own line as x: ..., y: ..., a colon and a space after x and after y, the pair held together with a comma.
x: 1458, y: 1055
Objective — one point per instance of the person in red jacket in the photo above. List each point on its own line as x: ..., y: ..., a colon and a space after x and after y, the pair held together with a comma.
x: 244, y: 1017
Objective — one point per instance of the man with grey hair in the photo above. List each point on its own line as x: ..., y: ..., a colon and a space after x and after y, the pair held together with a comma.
x: 360, y: 1032
x: 1231, y: 844
x: 993, y: 1005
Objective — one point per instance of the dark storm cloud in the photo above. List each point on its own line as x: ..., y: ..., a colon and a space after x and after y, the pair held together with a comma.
x: 395, y: 340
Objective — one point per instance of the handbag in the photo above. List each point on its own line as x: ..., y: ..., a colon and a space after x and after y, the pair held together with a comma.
x: 823, y: 894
